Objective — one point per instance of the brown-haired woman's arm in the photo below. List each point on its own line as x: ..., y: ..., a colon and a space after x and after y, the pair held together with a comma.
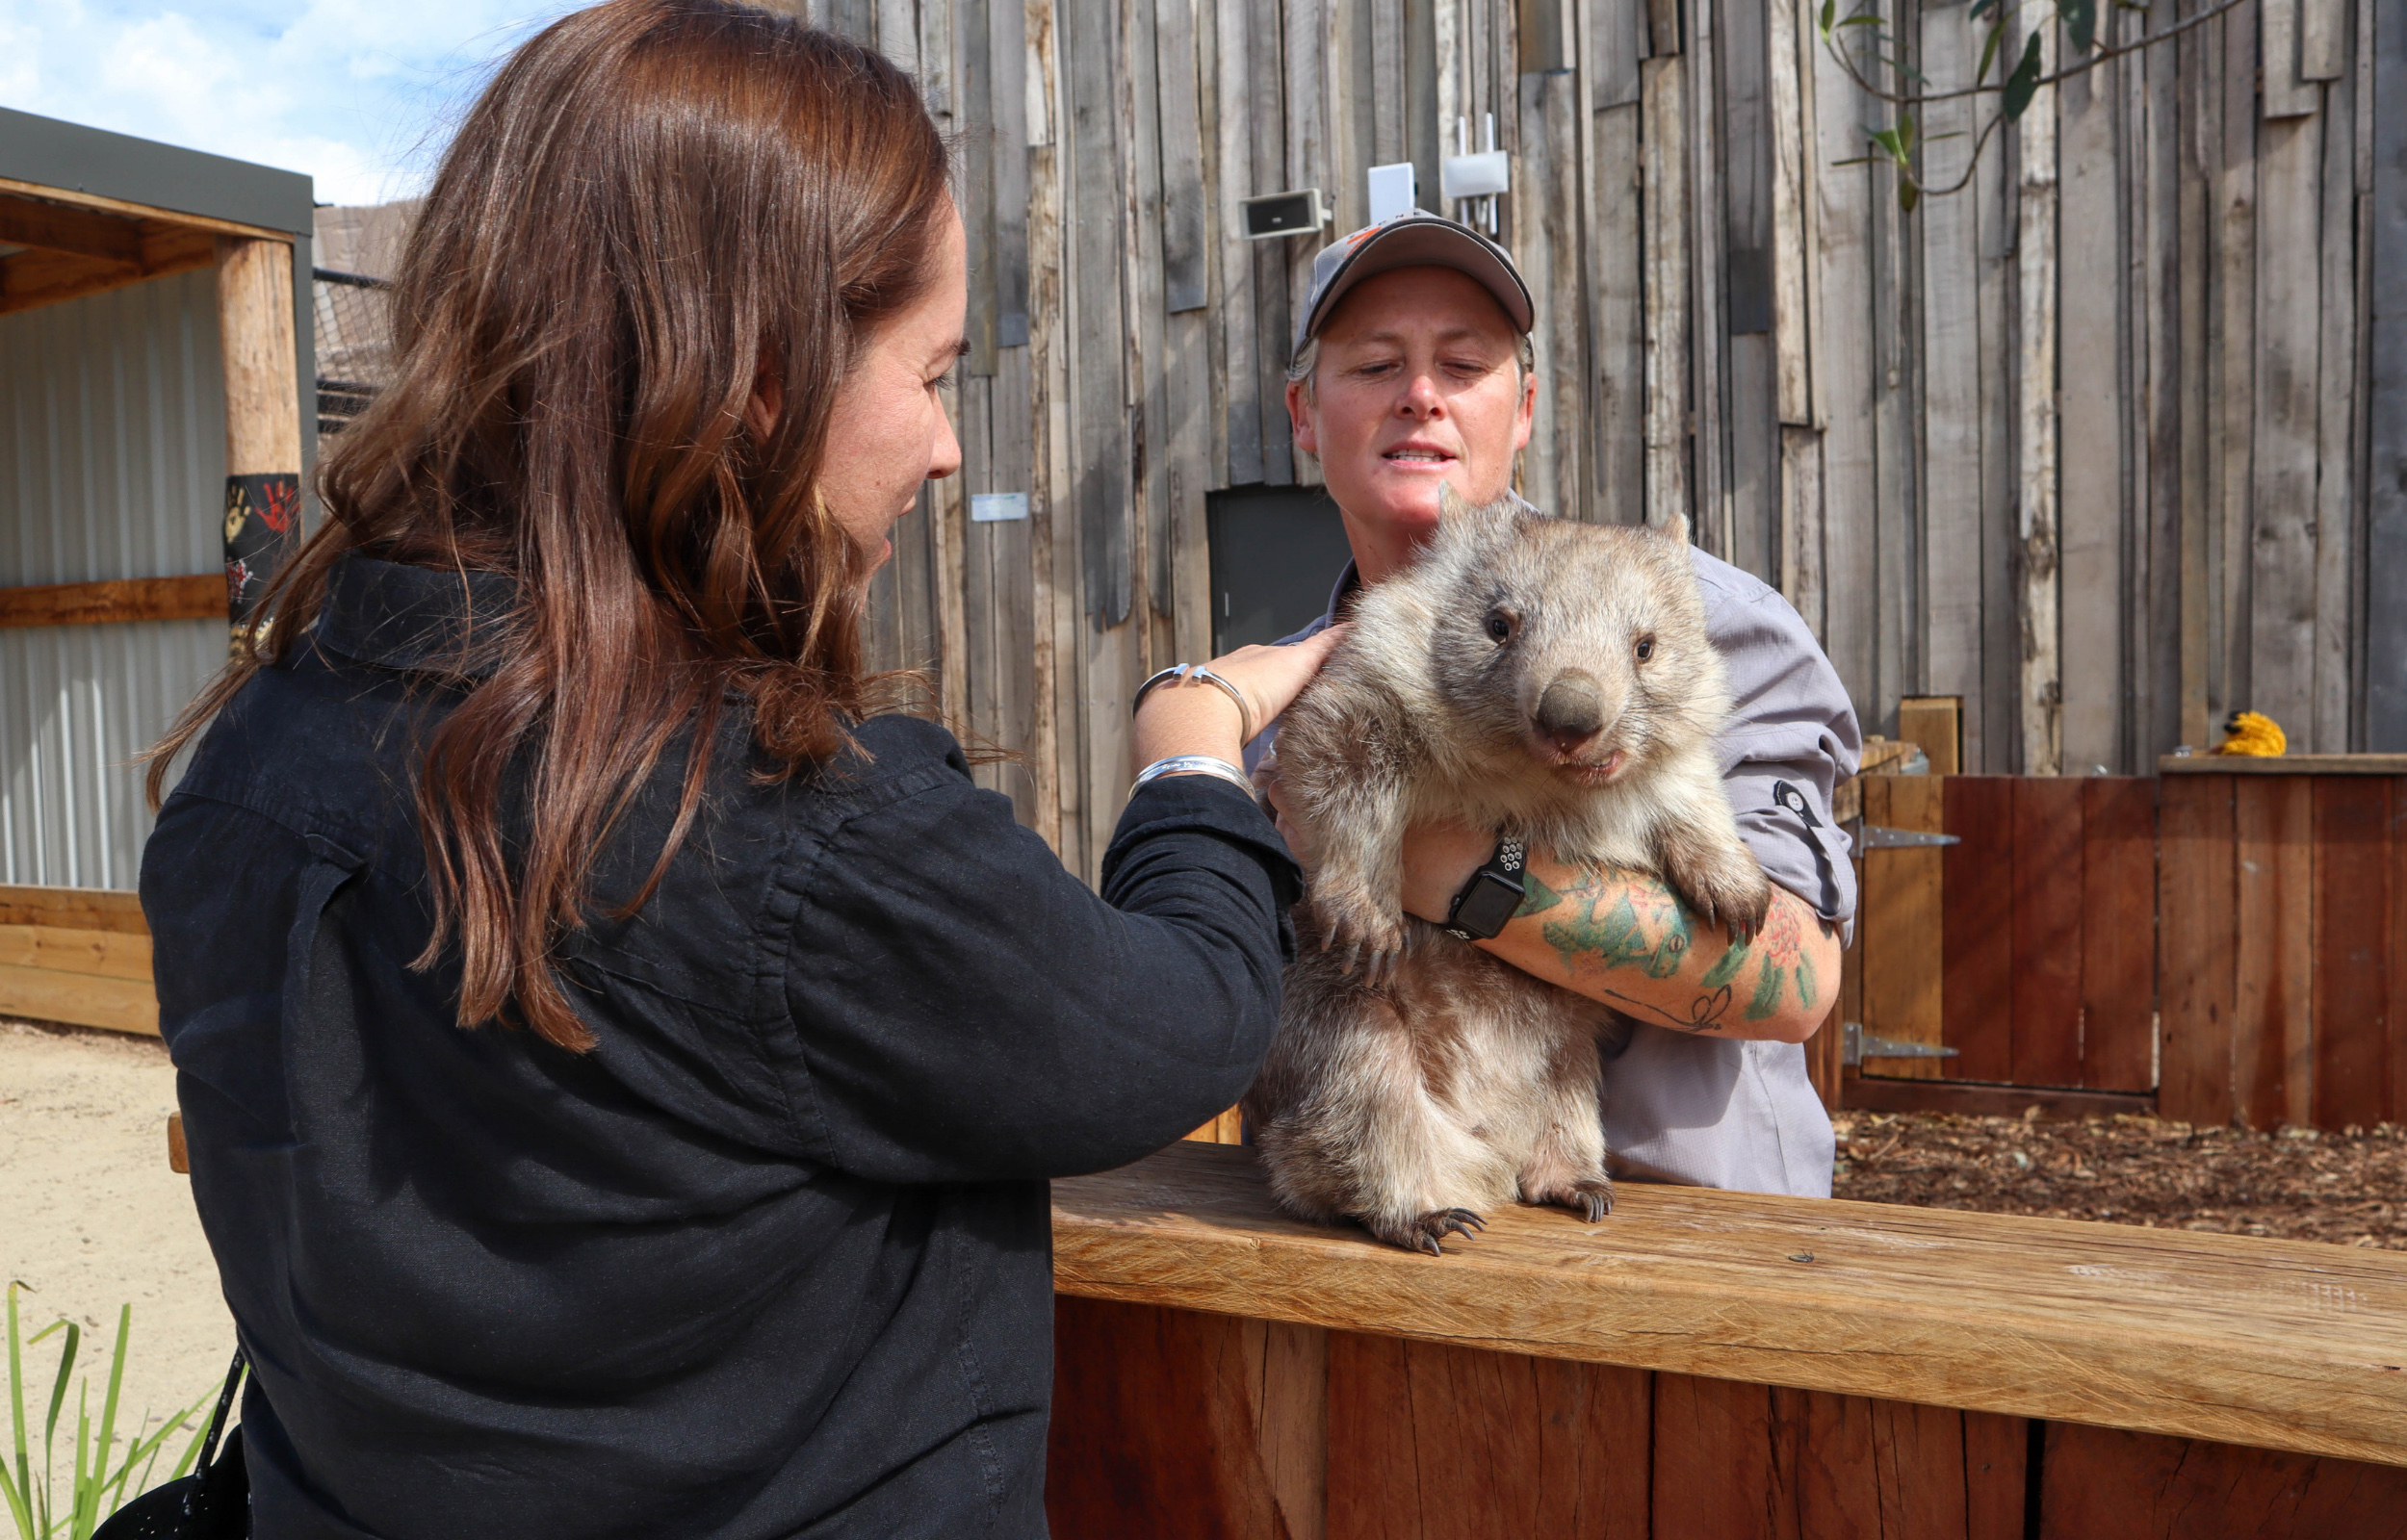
x: 962, y: 1009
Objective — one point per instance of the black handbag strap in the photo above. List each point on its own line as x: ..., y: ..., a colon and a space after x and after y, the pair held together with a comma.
x: 225, y: 1403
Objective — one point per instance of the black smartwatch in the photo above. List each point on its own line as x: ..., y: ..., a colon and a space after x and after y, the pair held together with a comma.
x: 1492, y: 897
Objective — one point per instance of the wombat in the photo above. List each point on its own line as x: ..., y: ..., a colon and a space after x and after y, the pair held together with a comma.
x: 1537, y: 677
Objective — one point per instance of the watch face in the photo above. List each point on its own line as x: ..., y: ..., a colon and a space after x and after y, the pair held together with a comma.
x: 1487, y: 904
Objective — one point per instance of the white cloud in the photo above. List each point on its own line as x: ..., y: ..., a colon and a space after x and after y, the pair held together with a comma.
x: 358, y: 93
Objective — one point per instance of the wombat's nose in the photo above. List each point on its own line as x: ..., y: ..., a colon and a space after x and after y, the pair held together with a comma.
x: 1571, y: 712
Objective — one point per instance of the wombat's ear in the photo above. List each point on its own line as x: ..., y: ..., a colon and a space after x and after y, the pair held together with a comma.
x: 1675, y: 527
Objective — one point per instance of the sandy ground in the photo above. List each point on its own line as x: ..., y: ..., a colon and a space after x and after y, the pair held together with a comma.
x: 91, y: 1218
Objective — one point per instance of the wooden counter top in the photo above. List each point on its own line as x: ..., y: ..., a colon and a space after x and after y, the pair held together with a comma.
x: 2284, y: 764
x: 2274, y: 1343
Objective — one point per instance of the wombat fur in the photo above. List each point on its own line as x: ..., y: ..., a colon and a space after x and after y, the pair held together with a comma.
x: 1497, y: 681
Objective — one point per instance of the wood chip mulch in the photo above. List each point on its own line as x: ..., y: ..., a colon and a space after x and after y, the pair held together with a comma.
x: 2347, y: 1188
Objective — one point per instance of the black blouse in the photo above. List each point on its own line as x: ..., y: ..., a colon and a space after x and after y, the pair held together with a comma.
x: 774, y: 1258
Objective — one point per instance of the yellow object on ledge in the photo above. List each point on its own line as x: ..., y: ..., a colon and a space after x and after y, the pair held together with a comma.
x: 2253, y: 733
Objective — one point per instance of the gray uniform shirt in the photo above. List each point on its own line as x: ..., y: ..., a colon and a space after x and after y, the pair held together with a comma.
x: 1715, y: 1112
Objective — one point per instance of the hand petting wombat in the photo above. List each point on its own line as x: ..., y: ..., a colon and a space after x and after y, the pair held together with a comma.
x: 1547, y: 680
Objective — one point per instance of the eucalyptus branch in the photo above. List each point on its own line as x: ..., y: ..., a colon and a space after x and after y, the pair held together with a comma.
x: 2089, y: 62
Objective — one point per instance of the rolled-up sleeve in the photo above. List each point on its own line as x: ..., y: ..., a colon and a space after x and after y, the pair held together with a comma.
x: 1791, y: 724
x: 966, y: 1010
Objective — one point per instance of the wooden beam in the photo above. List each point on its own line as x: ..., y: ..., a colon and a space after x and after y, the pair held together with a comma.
x: 74, y: 198
x: 79, y: 232
x: 104, y: 952
x: 33, y: 278
x: 2284, y: 764
x: 79, y: 999
x: 121, y: 599
x: 1964, y: 1099
x: 2275, y: 1344
x: 263, y: 449
x: 82, y: 909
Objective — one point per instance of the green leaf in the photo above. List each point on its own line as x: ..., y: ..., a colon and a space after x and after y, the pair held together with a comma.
x: 2080, y: 23
x: 1859, y: 21
x: 1908, y: 193
x: 1829, y: 8
x: 1981, y: 8
x: 2024, y: 84
x: 1989, y: 52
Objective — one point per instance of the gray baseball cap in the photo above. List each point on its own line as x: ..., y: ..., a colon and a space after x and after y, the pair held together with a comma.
x: 1414, y: 240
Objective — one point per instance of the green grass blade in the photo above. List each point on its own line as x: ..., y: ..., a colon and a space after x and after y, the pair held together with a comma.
x: 76, y: 1527
x: 109, y: 1405
x: 16, y: 1394
x: 17, y: 1508
x: 67, y: 1367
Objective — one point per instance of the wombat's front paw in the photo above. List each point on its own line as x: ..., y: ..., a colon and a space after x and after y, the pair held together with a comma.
x: 1721, y: 883
x: 1358, y: 931
x: 1591, y: 1201
x: 1423, y: 1232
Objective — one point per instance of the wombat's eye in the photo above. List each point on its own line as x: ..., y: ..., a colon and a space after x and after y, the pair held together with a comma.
x: 1646, y: 648
x: 1499, y: 626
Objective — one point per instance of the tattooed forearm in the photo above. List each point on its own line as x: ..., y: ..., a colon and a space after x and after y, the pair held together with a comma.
x: 1617, y: 920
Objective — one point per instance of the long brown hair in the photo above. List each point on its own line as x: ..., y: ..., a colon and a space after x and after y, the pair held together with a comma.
x: 656, y: 207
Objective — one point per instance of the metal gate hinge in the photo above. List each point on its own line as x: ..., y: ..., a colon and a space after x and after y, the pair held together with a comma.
x: 1873, y: 836
x: 1856, y: 1045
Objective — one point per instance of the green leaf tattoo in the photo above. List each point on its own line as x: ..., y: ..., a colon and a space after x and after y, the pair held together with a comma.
x: 1535, y: 896
x: 1619, y: 939
x: 1767, y: 993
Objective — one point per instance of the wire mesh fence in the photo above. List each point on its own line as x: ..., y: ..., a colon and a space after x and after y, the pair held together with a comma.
x: 355, y: 344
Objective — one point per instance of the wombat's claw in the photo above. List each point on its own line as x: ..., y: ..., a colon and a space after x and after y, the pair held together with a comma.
x: 1422, y: 1234
x: 1594, y: 1199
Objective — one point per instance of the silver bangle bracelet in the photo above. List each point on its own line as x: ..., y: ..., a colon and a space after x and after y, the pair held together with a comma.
x: 1194, y: 764
x: 1184, y: 672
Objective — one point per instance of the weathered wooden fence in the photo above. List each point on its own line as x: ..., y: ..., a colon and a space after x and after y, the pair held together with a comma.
x: 2232, y: 941
x: 2102, y: 444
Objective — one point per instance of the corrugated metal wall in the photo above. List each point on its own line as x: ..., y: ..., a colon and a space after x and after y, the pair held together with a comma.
x: 112, y: 459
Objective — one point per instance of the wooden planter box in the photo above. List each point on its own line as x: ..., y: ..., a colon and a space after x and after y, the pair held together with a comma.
x: 1707, y: 1366
x: 79, y: 955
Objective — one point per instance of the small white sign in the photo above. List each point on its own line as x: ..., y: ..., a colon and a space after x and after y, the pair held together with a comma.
x: 1391, y: 192
x: 997, y: 508
x: 1475, y: 176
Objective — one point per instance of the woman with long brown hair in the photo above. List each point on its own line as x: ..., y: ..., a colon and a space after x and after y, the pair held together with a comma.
x: 621, y: 1059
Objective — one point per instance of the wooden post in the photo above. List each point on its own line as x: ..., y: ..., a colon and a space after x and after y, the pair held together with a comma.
x: 263, y: 446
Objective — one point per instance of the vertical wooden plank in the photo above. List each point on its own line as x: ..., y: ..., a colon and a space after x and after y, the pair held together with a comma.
x: 2091, y: 311
x: 2118, y: 940
x: 1053, y: 524
x: 2146, y: 1486
x: 1936, y: 725
x: 2352, y: 962
x: 2337, y: 609
x: 2284, y: 93
x: 1919, y: 1460
x: 2323, y: 40
x: 2197, y: 911
x: 1663, y: 135
x: 1749, y: 394
x: 2395, y: 1008
x: 1708, y: 464
x: 2273, y: 1064
x: 2282, y: 547
x: 2160, y: 691
x: 1007, y: 56
x: 2193, y: 184
x: 1266, y: 82
x: 1616, y: 289
x: 2234, y: 127
x: 1791, y: 378
x: 1997, y: 1451
x: 1903, y: 909
x: 1144, y: 269
x: 1182, y: 158
x: 1846, y: 379
x: 1158, y: 1426
x: 1714, y: 1471
x: 1304, y: 55
x: 1951, y: 370
x: 1240, y: 374
x: 1802, y: 516
x: 1993, y: 717
x: 2047, y: 930
x: 1369, y: 1443
x: 1978, y: 920
x: 1828, y: 1475
x: 2035, y: 488
x: 2385, y: 407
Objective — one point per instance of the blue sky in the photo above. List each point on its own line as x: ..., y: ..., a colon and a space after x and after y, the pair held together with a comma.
x: 358, y: 93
